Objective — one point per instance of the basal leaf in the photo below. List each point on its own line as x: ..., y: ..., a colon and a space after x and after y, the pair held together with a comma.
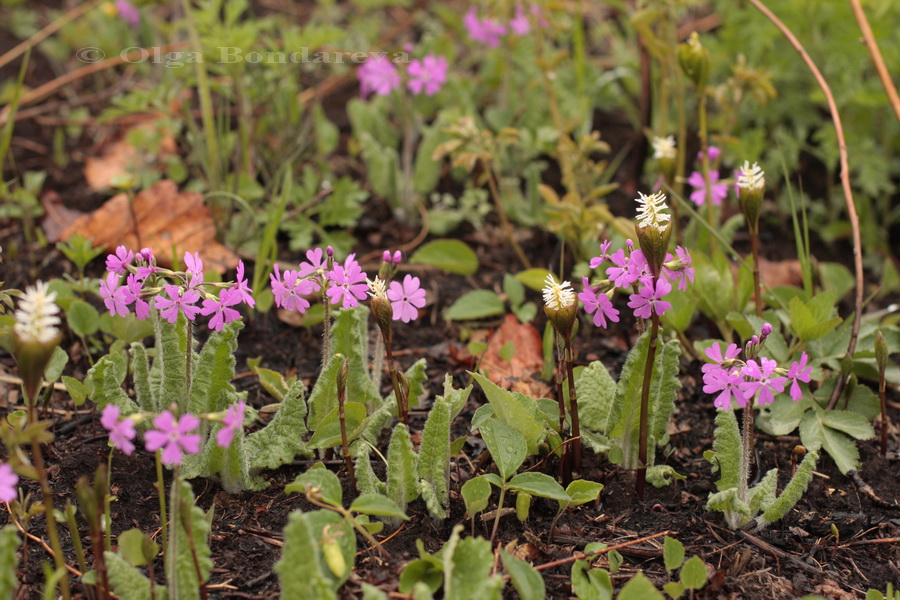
x: 379, y: 506
x: 328, y: 434
x: 539, y: 484
x: 527, y: 581
x: 510, y: 410
x: 477, y: 304
x: 476, y: 493
x: 448, y: 255
x: 506, y: 445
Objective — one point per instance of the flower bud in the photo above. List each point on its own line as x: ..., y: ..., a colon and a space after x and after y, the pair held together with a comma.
x: 765, y: 330
x: 881, y: 353
x: 751, y: 189
x: 563, y: 319
x: 561, y: 305
x: 665, y: 154
x: 398, y: 256
x: 654, y: 229
x: 386, y: 257
x: 384, y: 314
x: 343, y: 374
x: 694, y: 60
x: 329, y: 251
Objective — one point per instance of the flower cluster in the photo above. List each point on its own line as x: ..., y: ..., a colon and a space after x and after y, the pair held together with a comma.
x: 489, y: 31
x: 175, y: 437
x: 718, y: 191
x: 36, y: 318
x: 144, y: 280
x: 754, y: 377
x: 381, y: 76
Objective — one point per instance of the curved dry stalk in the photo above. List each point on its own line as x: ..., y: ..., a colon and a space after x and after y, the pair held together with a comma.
x: 47, y: 31
x: 877, y: 59
x: 845, y: 184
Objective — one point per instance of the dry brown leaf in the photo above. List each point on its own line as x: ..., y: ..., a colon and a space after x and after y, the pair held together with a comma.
x: 168, y: 221
x: 120, y: 157
x: 774, y: 273
x: 56, y: 216
x: 527, y: 359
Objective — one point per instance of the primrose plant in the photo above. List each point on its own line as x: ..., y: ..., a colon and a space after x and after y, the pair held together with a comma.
x: 746, y: 378
x: 629, y: 419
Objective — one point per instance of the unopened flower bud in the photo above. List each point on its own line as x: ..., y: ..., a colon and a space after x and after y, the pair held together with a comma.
x: 398, y: 256
x: 147, y: 255
x: 329, y: 251
x: 694, y: 60
x: 386, y: 257
x: 881, y: 352
x: 765, y: 330
x: 343, y: 374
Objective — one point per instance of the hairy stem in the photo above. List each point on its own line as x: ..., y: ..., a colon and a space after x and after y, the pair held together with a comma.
x: 342, y: 397
x: 573, y: 409
x: 645, y: 407
x: 163, y: 517
x: 757, y: 288
x: 399, y: 391
x: 882, y: 393
x: 184, y: 513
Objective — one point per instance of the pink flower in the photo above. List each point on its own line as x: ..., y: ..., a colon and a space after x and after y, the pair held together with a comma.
x: 726, y: 382
x: 133, y: 287
x: 520, y: 25
x: 114, y: 297
x: 406, y: 298
x: 194, y: 267
x: 181, y: 299
x: 243, y: 287
x: 233, y: 421
x: 650, y: 299
x: 118, y: 262
x: 619, y: 274
x: 220, y: 308
x: 120, y: 432
x: 149, y: 267
x: 714, y: 353
x: 798, y: 372
x: 128, y: 12
x: 485, y: 31
x: 604, y: 255
x: 681, y: 274
x: 349, y: 283
x: 427, y: 75
x: 8, y: 481
x: 316, y: 263
x: 378, y: 75
x: 173, y: 436
x: 597, y: 304
x: 761, y: 380
x: 712, y: 152
x: 719, y: 190
x: 289, y: 291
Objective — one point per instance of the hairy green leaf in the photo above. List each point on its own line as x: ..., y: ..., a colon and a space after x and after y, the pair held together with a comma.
x: 321, y: 479
x: 402, y: 483
x: 127, y: 581
x: 328, y: 433
x: 527, y: 581
x: 302, y: 569
x: 434, y: 452
x: 792, y: 493
x: 189, y: 529
x: 280, y: 441
x: 9, y: 544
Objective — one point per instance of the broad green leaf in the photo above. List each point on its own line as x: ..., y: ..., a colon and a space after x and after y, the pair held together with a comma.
x: 318, y: 478
x: 378, y: 505
x: 792, y: 492
x: 420, y: 570
x: 272, y: 382
x: 328, y: 433
x: 681, y: 314
x: 57, y: 363
x: 129, y: 329
x: 467, y: 567
x: 539, y: 484
x: 402, y: 480
x: 9, y: 544
x: 349, y: 337
x: 673, y: 553
x: 128, y: 581
x: 82, y: 318
x: 302, y: 569
x: 213, y: 371
x: 583, y: 491
x: 815, y: 434
x: 476, y: 493
x: 514, y: 290
x: 533, y: 278
x: 78, y: 391
x: 662, y: 475
x: 189, y: 533
x: 853, y: 424
x: 674, y: 589
x: 448, y: 255
x: 727, y: 450
x: 588, y: 583
x: 782, y: 416
x: 693, y: 574
x: 527, y: 581
x: 434, y: 452
x: 511, y: 410
x: 506, y: 445
x: 639, y: 588
x: 476, y: 304
x: 136, y: 547
x: 281, y: 440
x: 810, y: 320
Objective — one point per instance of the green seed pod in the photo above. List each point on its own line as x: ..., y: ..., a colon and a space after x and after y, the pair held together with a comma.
x: 881, y: 352
x: 334, y: 558
x: 523, y: 506
x: 694, y: 60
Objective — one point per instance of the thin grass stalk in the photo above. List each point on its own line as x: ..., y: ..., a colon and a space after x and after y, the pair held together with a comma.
x: 877, y: 59
x: 845, y: 184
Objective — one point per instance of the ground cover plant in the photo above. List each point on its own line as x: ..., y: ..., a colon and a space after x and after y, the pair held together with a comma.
x: 392, y: 299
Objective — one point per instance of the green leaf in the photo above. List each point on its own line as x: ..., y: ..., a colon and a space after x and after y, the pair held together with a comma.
x: 129, y: 329
x: 402, y: 482
x: 328, y: 433
x: 639, y: 588
x: 582, y: 491
x: 853, y: 424
x: 815, y: 433
x: 78, y: 391
x: 792, y: 492
x: 280, y: 441
x: 128, y: 581
x: 514, y: 290
x: 527, y: 581
x: 674, y: 589
x: 213, y: 371
x: 82, y: 318
x: 434, y: 452
x: 378, y: 505
x: 319, y: 478
x: 539, y: 484
x: 810, y: 320
x: 693, y: 574
x: 136, y: 547
x: 588, y: 583
x: 272, y: 382
x: 427, y: 171
x: 533, y: 278
x: 595, y: 390
x: 511, y: 410
x: 506, y: 445
x: 727, y: 450
x: 476, y: 493
x: 467, y: 567
x: 476, y: 304
x: 57, y: 363
x: 302, y: 569
x: 660, y: 476
x: 452, y: 256
x: 9, y: 560
x: 673, y: 553
x: 349, y: 337
x: 193, y: 552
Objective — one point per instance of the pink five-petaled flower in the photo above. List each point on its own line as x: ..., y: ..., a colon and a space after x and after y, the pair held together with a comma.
x: 141, y: 306
x: 194, y: 267
x: 714, y: 353
x: 8, y: 481
x: 128, y: 12
x: 220, y: 308
x: 427, y: 75
x: 761, y: 380
x: 120, y: 432
x: 485, y: 31
x: 243, y: 287
x: 315, y: 263
x: 378, y: 75
x: 173, y: 436
x: 234, y: 420
x: 597, y: 304
x: 650, y: 299
x: 719, y: 190
x: 180, y: 299
x: 289, y: 291
x: 406, y: 298
x: 684, y: 272
x: 118, y: 261
x: 799, y: 372
x: 114, y: 297
x: 349, y: 283
x: 604, y: 255
x: 726, y: 381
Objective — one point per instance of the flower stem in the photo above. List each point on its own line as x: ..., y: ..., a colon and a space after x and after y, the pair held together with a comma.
x: 573, y: 409
x: 342, y: 397
x: 499, y: 512
x: 564, y: 465
x: 757, y: 290
x: 58, y: 556
x: 882, y: 390
x: 399, y: 392
x: 163, y: 518
x: 171, y: 558
x: 746, y: 451
x: 645, y: 407
x: 189, y: 351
